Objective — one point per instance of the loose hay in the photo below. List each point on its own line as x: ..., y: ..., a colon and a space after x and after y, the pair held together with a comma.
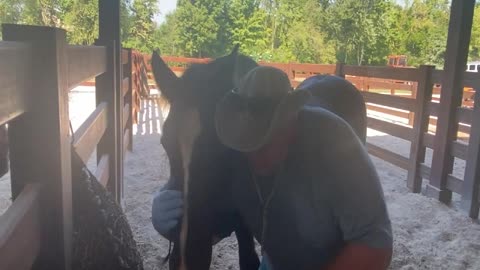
x: 102, y: 236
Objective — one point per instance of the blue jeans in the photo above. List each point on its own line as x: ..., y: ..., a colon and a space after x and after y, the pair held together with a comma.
x: 265, y: 264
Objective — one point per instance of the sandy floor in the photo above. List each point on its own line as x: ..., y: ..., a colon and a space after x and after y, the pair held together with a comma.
x: 428, y: 234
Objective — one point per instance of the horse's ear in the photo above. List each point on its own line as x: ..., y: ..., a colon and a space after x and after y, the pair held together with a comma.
x: 242, y: 65
x: 167, y: 82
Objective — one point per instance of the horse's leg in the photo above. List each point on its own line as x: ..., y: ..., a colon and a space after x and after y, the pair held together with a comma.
x: 246, y: 248
x: 198, y: 251
x: 174, y: 259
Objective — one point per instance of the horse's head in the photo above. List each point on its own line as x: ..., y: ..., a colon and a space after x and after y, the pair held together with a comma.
x: 198, y: 161
x: 188, y: 134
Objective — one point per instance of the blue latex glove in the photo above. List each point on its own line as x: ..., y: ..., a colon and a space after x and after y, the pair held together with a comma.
x: 167, y: 208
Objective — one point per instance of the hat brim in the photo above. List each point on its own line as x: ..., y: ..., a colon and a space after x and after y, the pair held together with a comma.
x: 246, y: 131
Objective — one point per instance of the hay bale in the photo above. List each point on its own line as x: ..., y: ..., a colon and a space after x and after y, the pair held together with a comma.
x: 102, y: 236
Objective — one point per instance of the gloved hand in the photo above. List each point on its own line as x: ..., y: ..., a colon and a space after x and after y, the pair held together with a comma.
x: 167, y: 208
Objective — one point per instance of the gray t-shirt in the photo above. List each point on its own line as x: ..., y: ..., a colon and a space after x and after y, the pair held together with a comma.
x: 328, y: 193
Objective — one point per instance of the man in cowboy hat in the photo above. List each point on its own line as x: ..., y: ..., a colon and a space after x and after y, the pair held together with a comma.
x: 304, y: 183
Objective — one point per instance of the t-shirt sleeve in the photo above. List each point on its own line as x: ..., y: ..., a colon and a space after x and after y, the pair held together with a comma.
x: 356, y: 197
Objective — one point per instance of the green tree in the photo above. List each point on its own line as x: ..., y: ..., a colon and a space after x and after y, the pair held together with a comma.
x: 308, y: 45
x: 196, y: 28
x: 358, y: 28
x: 423, y: 31
x: 82, y: 22
x: 142, y: 26
x: 10, y: 11
x: 166, y: 36
x: 247, y: 26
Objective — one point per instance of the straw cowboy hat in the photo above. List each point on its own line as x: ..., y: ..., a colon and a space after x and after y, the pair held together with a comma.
x: 247, y: 116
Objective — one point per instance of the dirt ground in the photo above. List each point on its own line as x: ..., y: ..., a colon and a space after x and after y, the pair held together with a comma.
x: 427, y: 234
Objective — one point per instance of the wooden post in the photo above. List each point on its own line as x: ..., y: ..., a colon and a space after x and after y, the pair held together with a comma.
x: 413, y: 93
x: 4, y: 167
x: 40, y: 141
x: 105, y: 84
x: 129, y: 98
x: 109, y: 34
x: 470, y: 194
x: 290, y: 71
x: 420, y: 127
x: 461, y: 16
x: 339, y: 70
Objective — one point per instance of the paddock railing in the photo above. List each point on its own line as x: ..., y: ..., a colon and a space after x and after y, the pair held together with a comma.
x: 408, y: 97
x: 37, y: 71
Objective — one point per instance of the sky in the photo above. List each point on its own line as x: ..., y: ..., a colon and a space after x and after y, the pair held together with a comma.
x: 166, y: 6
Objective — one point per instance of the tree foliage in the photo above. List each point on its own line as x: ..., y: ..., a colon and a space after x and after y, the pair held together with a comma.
x: 310, y: 31
x: 142, y: 27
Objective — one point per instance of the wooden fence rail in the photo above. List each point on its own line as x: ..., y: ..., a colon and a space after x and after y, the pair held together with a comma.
x: 37, y: 70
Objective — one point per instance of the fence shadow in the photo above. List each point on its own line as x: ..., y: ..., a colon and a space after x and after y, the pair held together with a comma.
x: 150, y: 117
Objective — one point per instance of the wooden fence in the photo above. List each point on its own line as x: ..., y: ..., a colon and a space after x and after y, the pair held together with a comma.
x: 423, y: 108
x: 37, y: 71
x: 411, y: 94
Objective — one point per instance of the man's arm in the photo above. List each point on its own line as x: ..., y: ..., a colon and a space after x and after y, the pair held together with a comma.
x: 358, y: 204
x: 361, y: 257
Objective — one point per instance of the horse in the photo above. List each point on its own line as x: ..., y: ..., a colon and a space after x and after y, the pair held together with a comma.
x: 339, y: 96
x: 199, y: 163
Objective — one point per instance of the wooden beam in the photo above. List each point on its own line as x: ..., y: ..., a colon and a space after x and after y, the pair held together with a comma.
x: 420, y: 127
x: 453, y: 183
x: 102, y: 171
x: 471, y: 79
x: 88, y: 135
x: 126, y: 140
x: 459, y: 31
x: 40, y: 141
x: 129, y: 97
x: 457, y: 149
x: 463, y: 115
x: 124, y: 56
x: 428, y: 140
x: 403, y: 74
x: 388, y: 156
x: 402, y: 103
x: 111, y: 91
x: 126, y: 114
x: 470, y: 191
x: 339, y: 70
x: 392, y: 129
x: 105, y: 92
x: 14, y: 79
x: 433, y: 108
x: 20, y: 230
x: 85, y: 62
x: 125, y: 86
x: 387, y: 110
